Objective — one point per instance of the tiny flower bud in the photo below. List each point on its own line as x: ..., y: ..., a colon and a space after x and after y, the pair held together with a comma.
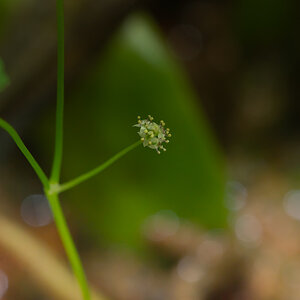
x: 153, y: 135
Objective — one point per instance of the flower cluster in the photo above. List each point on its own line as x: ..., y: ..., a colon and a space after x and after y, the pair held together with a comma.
x: 153, y: 135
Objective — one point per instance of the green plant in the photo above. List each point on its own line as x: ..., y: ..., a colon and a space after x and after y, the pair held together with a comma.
x: 152, y: 135
x: 4, y: 81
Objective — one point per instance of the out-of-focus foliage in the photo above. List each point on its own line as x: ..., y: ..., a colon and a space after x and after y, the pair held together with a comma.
x: 263, y: 21
x: 3, y: 77
x: 137, y: 76
x: 7, y: 7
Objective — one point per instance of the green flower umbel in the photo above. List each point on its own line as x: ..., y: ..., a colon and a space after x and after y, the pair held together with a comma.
x: 153, y: 135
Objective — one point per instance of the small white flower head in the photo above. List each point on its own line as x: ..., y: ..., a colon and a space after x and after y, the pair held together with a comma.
x: 153, y: 135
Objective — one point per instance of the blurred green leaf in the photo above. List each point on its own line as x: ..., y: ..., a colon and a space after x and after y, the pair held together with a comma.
x: 138, y: 76
x: 4, y: 81
x: 7, y: 7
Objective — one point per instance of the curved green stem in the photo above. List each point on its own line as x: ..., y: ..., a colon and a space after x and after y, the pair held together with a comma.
x: 57, y: 212
x: 52, y: 186
x: 68, y: 243
x: 58, y: 150
x: 38, y: 170
x: 70, y: 184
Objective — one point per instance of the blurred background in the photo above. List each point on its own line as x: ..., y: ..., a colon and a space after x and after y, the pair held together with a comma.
x: 217, y: 216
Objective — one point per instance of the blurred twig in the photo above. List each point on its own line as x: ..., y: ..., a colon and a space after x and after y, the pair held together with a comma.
x: 47, y: 270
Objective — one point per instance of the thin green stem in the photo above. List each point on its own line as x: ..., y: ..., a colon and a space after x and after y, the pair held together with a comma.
x: 70, y: 184
x: 11, y: 131
x: 57, y: 212
x: 68, y: 244
x: 57, y: 161
x: 58, y: 150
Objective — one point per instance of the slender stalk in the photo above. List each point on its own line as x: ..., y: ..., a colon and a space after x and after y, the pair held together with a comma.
x: 70, y: 184
x: 69, y: 245
x: 52, y: 186
x: 57, y: 161
x: 14, y: 135
x: 57, y: 212
x: 58, y: 150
